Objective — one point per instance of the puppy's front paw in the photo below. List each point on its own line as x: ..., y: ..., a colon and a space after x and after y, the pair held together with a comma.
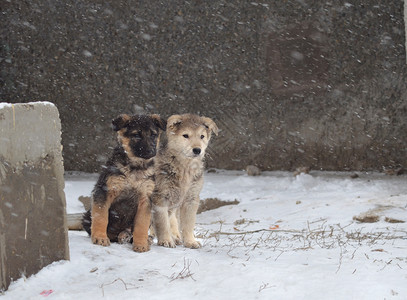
x: 176, y: 237
x: 166, y: 243
x: 178, y: 241
x: 192, y: 244
x: 100, y: 240
x: 141, y: 247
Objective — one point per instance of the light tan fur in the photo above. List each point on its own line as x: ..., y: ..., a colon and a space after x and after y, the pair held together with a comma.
x: 179, y: 179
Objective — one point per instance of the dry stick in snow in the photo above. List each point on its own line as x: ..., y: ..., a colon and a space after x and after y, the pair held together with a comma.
x: 114, y: 281
x: 184, y: 273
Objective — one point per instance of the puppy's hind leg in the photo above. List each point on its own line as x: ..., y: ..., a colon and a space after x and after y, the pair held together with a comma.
x: 162, y: 226
x: 187, y: 220
x: 124, y: 236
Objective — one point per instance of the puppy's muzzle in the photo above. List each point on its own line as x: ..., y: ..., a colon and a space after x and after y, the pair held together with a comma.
x: 196, y: 151
x: 150, y: 153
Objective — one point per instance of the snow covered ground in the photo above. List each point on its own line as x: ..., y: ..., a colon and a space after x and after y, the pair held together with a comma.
x: 288, y: 238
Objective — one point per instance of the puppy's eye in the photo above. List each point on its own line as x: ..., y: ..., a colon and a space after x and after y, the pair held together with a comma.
x: 202, y: 137
x: 137, y: 136
x: 186, y: 136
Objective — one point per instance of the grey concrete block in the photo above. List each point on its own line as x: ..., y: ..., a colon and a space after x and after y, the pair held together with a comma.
x: 33, y: 231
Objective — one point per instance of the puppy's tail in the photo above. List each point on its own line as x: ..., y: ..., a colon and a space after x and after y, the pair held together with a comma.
x: 87, y: 221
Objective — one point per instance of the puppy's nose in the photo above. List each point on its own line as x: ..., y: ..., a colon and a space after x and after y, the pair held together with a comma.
x: 196, y: 151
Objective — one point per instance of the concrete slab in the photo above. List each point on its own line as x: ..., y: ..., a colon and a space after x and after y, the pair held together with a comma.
x: 33, y: 231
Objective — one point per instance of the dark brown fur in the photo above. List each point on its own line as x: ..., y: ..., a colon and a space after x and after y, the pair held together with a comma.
x: 121, y: 196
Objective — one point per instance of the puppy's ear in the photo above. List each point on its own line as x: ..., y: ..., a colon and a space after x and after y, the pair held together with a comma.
x: 160, y: 123
x: 120, y: 122
x: 173, y: 121
x: 210, y: 124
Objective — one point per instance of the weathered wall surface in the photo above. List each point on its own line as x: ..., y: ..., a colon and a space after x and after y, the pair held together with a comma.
x: 290, y: 83
x: 405, y: 22
x: 33, y: 231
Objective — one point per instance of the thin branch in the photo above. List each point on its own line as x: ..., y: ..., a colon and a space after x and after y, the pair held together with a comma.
x: 184, y: 273
x: 114, y: 281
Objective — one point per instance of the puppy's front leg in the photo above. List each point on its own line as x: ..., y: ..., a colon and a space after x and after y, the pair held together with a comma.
x: 100, y: 219
x: 187, y: 220
x: 141, y: 224
x: 162, y: 228
x: 174, y: 216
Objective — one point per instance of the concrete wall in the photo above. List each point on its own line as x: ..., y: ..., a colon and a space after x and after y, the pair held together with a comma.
x: 33, y: 231
x: 290, y: 83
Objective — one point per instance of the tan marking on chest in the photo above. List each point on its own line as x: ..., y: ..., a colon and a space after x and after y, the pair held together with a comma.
x: 136, y: 179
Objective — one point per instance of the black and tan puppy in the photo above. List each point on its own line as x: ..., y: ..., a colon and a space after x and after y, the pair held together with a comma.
x: 121, y: 196
x: 179, y: 178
